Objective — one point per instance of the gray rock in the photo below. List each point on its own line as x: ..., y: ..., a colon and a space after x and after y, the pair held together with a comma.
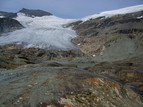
x: 8, y: 14
x: 32, y: 13
x: 8, y: 25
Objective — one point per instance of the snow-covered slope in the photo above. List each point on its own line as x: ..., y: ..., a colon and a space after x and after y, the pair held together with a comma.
x: 42, y: 32
x: 115, y: 12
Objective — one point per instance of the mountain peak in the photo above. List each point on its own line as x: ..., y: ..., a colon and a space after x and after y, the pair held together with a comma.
x: 31, y: 12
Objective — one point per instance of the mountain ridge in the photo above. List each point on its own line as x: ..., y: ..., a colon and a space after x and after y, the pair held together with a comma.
x: 34, y: 13
x: 28, y: 12
x: 52, y: 23
x: 110, y: 13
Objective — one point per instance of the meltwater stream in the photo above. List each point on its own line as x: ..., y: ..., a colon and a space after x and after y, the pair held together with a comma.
x: 46, y: 32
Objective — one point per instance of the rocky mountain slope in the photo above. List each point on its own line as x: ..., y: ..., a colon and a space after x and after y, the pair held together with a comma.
x: 28, y: 12
x: 34, y: 13
x: 115, y: 37
x: 105, y: 69
x: 7, y: 14
x: 8, y: 25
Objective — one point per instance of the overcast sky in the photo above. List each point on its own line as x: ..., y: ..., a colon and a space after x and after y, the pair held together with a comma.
x: 68, y: 8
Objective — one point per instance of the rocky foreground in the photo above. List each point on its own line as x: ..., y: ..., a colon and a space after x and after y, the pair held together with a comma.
x: 106, y: 70
x: 39, y: 78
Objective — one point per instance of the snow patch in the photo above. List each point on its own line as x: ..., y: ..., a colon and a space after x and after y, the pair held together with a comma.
x: 140, y: 17
x: 93, y: 55
x: 1, y: 16
x: 78, y: 44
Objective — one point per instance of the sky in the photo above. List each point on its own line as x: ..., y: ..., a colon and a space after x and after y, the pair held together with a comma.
x: 68, y: 8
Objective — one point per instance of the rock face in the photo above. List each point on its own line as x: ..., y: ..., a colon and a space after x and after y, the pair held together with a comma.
x: 118, y: 36
x: 32, y: 13
x: 8, y: 14
x: 8, y: 25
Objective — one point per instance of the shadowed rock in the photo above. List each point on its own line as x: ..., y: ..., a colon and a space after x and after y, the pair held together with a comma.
x: 8, y: 14
x: 9, y: 25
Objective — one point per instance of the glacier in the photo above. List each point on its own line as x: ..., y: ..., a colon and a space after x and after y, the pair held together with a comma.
x: 47, y: 32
